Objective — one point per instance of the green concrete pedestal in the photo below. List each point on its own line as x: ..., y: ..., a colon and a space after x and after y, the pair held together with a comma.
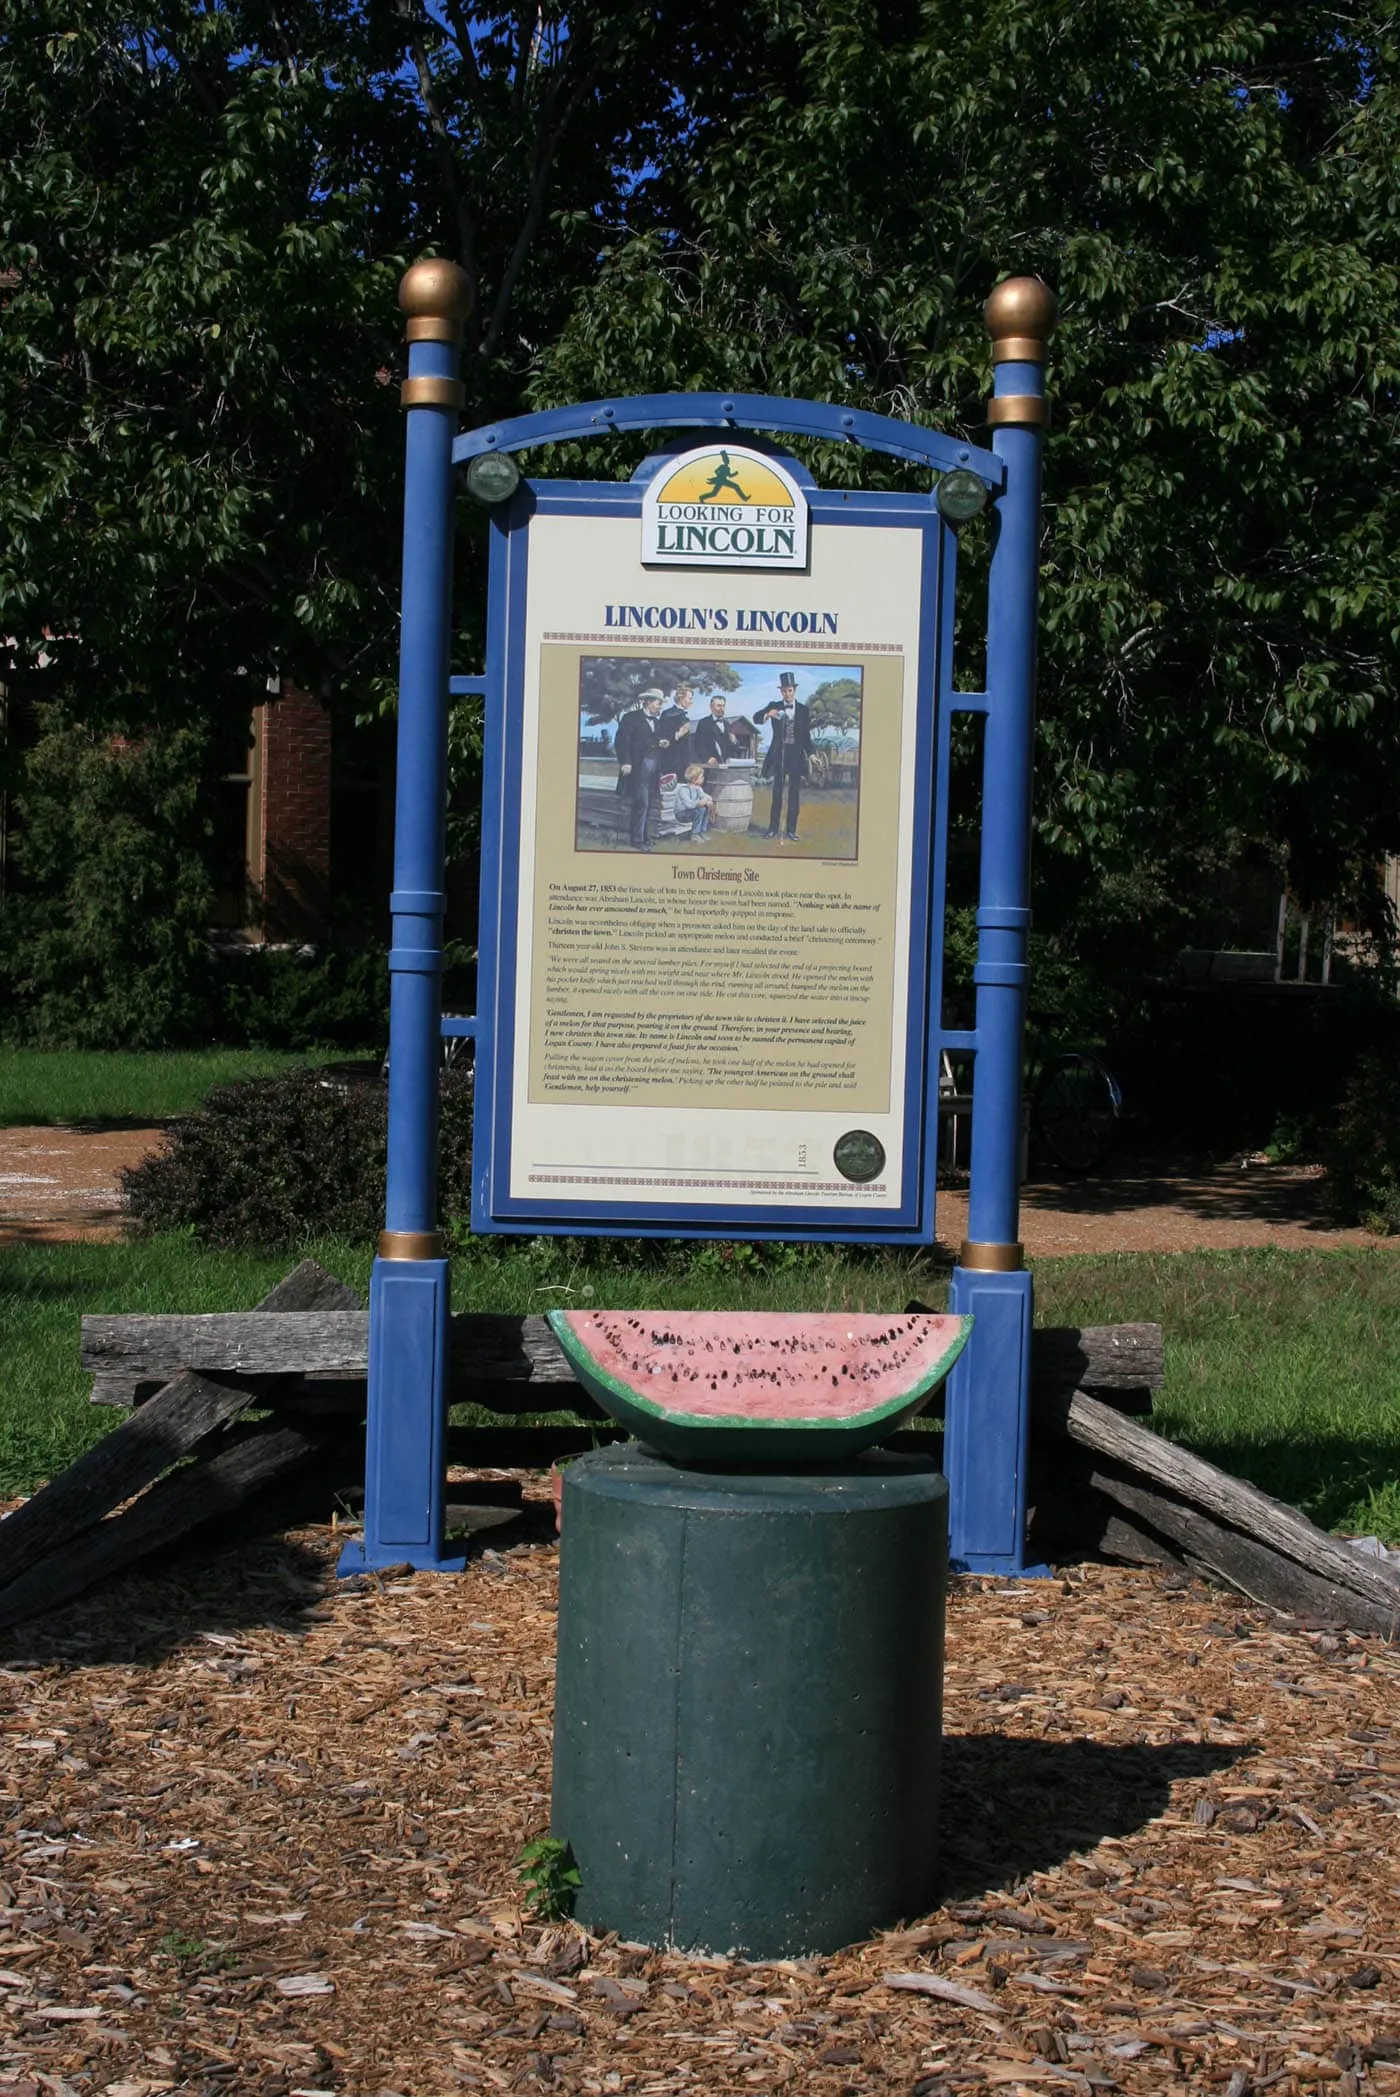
x: 749, y: 1697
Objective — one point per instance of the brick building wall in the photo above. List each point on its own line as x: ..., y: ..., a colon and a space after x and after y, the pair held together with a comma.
x: 290, y: 859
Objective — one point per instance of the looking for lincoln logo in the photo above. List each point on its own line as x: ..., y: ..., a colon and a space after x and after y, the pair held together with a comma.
x: 724, y: 506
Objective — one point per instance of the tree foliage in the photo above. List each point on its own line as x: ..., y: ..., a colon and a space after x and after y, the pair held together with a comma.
x: 835, y: 704
x: 609, y: 684
x: 204, y: 210
x: 199, y: 298
x: 109, y: 949
x: 1211, y: 191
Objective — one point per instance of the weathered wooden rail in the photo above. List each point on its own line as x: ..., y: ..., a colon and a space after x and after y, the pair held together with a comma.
x: 299, y: 1359
x: 487, y: 1351
x: 58, y: 1544
x: 1170, y: 1505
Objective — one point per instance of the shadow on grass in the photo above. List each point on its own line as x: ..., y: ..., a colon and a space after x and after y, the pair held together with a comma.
x: 109, y: 1226
x: 1012, y: 1806
x: 115, y: 1124
x: 46, y: 1122
x: 102, y: 1274
x: 1326, y: 1476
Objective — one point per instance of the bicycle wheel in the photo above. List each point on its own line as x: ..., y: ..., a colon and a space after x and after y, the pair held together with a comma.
x: 1075, y: 1109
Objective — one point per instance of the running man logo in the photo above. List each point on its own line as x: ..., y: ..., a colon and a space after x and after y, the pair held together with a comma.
x: 724, y: 507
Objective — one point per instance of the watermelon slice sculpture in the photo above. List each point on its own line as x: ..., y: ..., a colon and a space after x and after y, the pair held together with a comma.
x: 721, y: 1386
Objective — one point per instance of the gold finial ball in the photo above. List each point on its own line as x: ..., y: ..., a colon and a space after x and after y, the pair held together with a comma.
x: 435, y: 291
x: 1020, y: 306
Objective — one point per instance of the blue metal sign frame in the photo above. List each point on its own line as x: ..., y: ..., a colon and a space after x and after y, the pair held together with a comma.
x: 987, y: 1410
x: 734, y: 411
x: 493, y: 1206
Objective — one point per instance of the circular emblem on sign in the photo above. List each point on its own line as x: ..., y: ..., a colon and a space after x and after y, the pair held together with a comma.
x: 859, y: 1155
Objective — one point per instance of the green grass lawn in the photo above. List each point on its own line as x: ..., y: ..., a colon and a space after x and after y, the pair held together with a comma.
x: 1281, y: 1366
x: 45, y: 1417
x: 43, y: 1088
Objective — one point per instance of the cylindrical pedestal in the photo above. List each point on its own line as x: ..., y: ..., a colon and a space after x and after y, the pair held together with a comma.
x: 748, y: 1698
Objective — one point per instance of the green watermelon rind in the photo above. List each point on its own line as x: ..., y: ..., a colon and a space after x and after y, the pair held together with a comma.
x: 723, y: 1436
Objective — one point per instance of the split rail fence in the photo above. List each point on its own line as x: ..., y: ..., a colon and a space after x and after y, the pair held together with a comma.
x: 225, y: 1407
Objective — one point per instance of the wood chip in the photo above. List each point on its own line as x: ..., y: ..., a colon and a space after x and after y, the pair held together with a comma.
x: 945, y: 1990
x: 197, y: 1705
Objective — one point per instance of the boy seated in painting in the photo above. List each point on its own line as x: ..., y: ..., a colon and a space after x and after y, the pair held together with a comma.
x: 693, y: 801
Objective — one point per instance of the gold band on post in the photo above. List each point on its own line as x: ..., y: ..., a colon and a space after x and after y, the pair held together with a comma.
x: 410, y: 1245
x: 432, y: 327
x: 1018, y: 349
x: 432, y: 393
x: 988, y: 1258
x: 1031, y: 410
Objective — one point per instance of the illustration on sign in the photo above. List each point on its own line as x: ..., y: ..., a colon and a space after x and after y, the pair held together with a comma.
x: 724, y: 506
x: 719, y: 752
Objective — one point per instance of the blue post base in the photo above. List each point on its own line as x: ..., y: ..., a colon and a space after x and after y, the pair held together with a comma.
x: 986, y: 1424
x: 405, y: 1439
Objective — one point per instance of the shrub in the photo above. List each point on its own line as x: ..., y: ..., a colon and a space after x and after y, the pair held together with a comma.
x: 275, y: 1162
x: 1363, y: 1152
x: 289, y: 997
x: 104, y: 940
x: 105, y: 945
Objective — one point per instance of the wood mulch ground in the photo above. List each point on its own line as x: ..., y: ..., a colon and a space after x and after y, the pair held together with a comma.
x: 259, y: 1827
x: 261, y: 1832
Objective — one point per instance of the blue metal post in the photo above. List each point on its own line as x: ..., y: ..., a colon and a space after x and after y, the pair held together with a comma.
x: 987, y: 1421
x: 409, y: 1302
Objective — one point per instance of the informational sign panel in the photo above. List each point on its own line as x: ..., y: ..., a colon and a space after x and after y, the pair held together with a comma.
x: 707, y: 949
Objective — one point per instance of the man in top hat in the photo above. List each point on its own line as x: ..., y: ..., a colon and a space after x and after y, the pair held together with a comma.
x: 638, y: 762
x: 785, y: 765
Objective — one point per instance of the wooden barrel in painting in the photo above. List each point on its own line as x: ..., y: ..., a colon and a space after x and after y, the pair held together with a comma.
x: 733, y: 793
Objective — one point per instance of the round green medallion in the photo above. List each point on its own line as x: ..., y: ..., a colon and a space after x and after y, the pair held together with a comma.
x: 859, y: 1156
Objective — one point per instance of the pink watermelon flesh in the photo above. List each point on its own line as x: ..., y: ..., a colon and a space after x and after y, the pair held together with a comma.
x: 766, y: 1365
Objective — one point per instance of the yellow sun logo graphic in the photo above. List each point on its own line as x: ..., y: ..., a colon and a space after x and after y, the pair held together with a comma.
x: 715, y: 477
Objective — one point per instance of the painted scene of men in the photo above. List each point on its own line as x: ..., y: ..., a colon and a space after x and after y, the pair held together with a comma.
x: 718, y: 758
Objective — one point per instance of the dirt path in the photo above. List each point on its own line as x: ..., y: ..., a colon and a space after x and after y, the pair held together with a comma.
x: 61, y: 1184
x: 1181, y: 1208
